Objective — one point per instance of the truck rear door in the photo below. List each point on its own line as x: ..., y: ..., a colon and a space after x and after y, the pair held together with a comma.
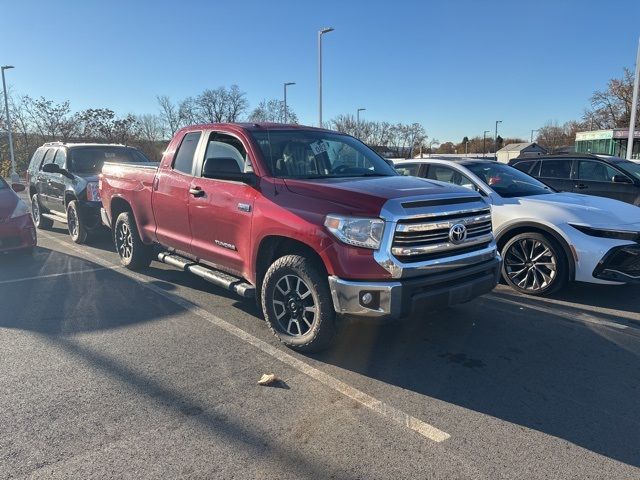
x: 171, y: 195
x: 220, y: 211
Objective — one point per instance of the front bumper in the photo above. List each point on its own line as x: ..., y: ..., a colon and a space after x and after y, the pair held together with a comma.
x: 397, y: 299
x: 620, y: 264
x: 17, y: 234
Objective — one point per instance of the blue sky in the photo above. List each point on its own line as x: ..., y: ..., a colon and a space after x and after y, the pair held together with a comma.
x: 454, y: 66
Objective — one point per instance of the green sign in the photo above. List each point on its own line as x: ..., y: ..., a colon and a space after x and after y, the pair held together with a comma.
x: 594, y: 135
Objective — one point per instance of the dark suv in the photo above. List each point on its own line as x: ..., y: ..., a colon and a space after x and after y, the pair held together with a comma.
x: 601, y: 175
x: 63, y: 184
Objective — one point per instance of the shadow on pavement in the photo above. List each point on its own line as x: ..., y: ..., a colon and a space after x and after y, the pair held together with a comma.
x: 574, y: 381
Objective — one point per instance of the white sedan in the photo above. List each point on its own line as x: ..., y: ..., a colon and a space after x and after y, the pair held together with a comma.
x: 546, y: 238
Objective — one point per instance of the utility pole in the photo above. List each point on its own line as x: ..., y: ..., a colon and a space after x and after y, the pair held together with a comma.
x: 484, y: 142
x: 634, y: 106
x: 14, y: 175
x: 358, y: 120
x: 495, y: 139
x: 532, y: 131
x: 285, y: 99
x: 320, y: 33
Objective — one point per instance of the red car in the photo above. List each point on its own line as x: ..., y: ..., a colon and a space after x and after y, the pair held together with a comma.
x: 17, y: 231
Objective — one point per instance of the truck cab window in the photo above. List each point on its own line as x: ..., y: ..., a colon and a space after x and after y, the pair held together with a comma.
x: 227, y: 146
x: 48, y: 158
x: 183, y: 161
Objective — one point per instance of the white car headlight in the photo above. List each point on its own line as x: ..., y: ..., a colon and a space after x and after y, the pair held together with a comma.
x: 20, y: 210
x: 357, y: 231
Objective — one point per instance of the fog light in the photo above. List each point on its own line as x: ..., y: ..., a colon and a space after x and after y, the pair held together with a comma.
x: 366, y: 299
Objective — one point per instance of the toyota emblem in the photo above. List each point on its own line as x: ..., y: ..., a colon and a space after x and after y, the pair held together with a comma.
x: 458, y: 233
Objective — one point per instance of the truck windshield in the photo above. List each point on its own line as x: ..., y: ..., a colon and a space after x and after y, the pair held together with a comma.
x: 507, y: 181
x: 91, y: 159
x: 316, y: 154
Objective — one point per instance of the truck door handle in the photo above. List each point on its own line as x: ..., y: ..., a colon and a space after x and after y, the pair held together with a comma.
x: 196, y: 192
x: 581, y: 186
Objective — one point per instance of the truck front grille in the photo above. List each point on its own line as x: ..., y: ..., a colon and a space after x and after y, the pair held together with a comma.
x: 428, y: 238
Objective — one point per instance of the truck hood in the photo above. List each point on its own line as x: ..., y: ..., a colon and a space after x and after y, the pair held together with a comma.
x: 367, y: 192
x: 581, y: 209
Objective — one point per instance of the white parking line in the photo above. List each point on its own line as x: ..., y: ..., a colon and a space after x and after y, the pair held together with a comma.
x: 52, y: 275
x: 574, y: 317
x: 366, y: 400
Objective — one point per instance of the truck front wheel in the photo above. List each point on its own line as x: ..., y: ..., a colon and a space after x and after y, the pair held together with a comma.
x: 296, y: 302
x: 133, y: 253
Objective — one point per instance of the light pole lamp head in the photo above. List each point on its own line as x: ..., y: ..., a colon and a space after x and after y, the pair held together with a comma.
x: 361, y: 109
x: 289, y: 83
x: 326, y: 30
x: 7, y: 67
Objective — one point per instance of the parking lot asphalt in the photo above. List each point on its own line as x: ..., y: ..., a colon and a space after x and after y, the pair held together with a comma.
x: 109, y: 374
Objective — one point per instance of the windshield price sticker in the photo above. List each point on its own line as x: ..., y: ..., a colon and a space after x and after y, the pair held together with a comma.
x: 318, y: 147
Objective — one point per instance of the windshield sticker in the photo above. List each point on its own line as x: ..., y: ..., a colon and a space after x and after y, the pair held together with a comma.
x: 318, y: 147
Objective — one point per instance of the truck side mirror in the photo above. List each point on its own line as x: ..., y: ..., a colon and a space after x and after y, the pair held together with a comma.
x: 226, y: 168
x: 18, y: 187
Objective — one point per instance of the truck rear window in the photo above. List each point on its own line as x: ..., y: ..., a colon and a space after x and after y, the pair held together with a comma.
x: 91, y: 159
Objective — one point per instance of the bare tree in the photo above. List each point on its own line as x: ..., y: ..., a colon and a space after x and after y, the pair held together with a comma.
x: 611, y: 108
x: 150, y: 127
x: 272, y: 111
x: 236, y: 104
x: 168, y: 115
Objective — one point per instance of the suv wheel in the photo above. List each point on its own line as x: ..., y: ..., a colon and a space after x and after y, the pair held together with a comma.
x: 534, y: 264
x: 297, y: 304
x: 133, y: 253
x: 36, y: 213
x: 75, y: 223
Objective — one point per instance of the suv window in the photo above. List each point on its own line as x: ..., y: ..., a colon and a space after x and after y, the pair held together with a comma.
x: 595, y: 171
x: 36, y: 160
x: 61, y: 158
x: 226, y: 146
x: 524, y: 166
x: 183, y: 161
x: 556, y: 169
x: 410, y: 169
x: 449, y: 175
x: 48, y: 157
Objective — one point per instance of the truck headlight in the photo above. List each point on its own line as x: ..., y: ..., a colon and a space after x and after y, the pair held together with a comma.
x: 93, y: 192
x: 20, y: 210
x: 357, y: 231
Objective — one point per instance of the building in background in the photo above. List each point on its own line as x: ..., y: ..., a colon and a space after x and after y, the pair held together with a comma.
x: 515, y: 150
x: 608, y: 142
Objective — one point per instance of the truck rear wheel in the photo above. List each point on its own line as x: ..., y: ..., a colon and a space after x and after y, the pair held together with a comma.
x: 297, y: 304
x: 133, y: 253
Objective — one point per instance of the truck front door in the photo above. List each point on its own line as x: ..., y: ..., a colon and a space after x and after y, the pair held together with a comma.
x: 220, y: 211
x: 171, y: 195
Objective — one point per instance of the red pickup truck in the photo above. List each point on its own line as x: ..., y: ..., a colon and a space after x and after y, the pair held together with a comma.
x: 310, y: 222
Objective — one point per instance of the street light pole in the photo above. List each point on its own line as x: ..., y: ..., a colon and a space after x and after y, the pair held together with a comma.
x: 320, y: 33
x: 286, y: 84
x: 634, y: 106
x: 358, y: 119
x: 484, y: 142
x: 532, y: 131
x: 495, y: 139
x: 14, y: 174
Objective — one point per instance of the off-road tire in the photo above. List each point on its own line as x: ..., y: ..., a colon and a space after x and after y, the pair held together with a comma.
x: 323, y: 327
x: 135, y: 254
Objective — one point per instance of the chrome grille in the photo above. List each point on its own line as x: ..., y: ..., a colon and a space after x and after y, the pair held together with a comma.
x: 426, y: 238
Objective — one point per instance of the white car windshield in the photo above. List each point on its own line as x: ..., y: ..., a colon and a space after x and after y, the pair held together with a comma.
x: 507, y: 181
